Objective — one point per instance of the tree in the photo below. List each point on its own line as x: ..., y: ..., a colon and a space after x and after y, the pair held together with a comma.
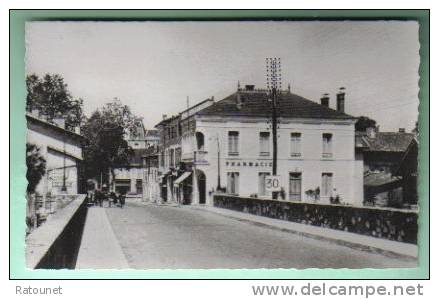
x: 106, y: 147
x: 416, y: 129
x: 36, y: 166
x: 363, y: 123
x: 51, y: 97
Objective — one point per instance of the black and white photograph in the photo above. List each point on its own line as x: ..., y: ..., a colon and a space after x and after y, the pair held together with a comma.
x: 222, y: 144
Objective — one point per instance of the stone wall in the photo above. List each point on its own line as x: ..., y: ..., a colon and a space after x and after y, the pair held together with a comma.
x: 392, y: 224
x: 55, y: 244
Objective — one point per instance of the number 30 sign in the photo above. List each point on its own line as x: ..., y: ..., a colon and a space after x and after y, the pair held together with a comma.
x: 272, y: 183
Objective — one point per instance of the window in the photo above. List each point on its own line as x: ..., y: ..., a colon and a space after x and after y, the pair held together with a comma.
x: 177, y: 156
x: 162, y: 159
x: 327, y: 145
x: 326, y: 184
x: 295, y: 141
x: 233, y: 182
x: 264, y: 143
x: 171, y: 158
x: 262, y: 191
x: 233, y: 143
x: 139, y: 187
x: 295, y: 186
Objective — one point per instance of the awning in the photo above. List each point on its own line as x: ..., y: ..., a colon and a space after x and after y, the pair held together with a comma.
x: 181, y: 178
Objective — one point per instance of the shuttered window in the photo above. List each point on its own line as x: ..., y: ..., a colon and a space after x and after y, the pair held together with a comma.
x: 295, y: 144
x: 264, y: 143
x: 327, y: 145
x: 295, y: 186
x: 233, y: 143
x: 233, y: 182
x: 326, y: 184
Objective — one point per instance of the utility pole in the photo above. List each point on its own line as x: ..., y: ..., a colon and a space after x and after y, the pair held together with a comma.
x: 64, y: 187
x: 274, y: 84
x: 219, y: 173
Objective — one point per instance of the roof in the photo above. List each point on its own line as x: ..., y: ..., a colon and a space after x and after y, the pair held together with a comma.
x: 32, y: 118
x: 255, y: 104
x: 152, y: 133
x: 386, y: 141
x: 378, y: 178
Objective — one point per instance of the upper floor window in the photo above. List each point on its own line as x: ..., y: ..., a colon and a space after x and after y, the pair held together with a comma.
x: 264, y: 143
x: 327, y: 145
x: 295, y: 144
x: 233, y: 143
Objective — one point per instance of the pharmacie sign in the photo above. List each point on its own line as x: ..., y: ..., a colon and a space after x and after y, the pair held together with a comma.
x: 249, y: 164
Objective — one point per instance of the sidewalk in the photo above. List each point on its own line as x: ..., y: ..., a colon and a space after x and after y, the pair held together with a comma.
x: 357, y: 241
x: 99, y: 246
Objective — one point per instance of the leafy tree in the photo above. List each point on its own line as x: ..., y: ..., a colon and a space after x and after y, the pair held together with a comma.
x: 36, y: 166
x: 363, y: 123
x: 416, y: 129
x: 51, y: 97
x: 106, y: 147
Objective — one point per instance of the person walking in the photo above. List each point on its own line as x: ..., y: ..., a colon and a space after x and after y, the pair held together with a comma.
x: 111, y: 199
x: 115, y: 199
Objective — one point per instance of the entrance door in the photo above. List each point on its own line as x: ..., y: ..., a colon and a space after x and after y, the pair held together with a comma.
x: 202, y: 187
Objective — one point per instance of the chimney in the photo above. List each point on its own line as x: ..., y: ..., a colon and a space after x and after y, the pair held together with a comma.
x: 164, y: 116
x: 371, y: 132
x: 340, y: 99
x: 249, y: 87
x: 324, y: 100
x: 401, y: 130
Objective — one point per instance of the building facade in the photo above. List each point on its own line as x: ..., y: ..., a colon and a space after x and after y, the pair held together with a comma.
x: 131, y: 179
x: 226, y: 146
x: 390, y: 167
x: 62, y: 150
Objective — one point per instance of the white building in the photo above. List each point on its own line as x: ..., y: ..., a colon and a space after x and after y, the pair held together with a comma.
x: 132, y: 178
x: 231, y: 139
x: 62, y: 150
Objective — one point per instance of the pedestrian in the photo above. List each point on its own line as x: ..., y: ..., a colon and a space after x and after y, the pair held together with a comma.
x: 122, y: 200
x: 115, y: 199
x: 111, y: 199
x: 97, y: 197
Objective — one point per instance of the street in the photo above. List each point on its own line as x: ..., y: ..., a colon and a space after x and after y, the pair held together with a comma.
x: 172, y: 237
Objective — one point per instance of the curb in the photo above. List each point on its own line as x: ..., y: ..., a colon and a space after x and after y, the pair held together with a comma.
x: 350, y: 244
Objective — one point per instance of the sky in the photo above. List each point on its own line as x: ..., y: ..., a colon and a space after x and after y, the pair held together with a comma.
x: 154, y: 66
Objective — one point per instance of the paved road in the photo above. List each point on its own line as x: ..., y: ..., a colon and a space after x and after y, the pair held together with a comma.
x: 166, y: 237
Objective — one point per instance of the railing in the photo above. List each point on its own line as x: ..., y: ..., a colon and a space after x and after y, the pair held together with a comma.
x: 201, y: 157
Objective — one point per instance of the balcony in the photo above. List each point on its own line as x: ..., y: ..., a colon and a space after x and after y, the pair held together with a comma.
x: 201, y: 157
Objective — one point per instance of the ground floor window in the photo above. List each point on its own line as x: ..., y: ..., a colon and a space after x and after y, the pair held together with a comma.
x: 262, y: 190
x: 233, y: 182
x: 139, y: 186
x: 295, y: 186
x: 122, y: 186
x: 327, y: 184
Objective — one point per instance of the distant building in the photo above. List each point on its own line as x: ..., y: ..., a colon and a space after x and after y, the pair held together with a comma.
x: 152, y: 178
x: 131, y: 179
x: 388, y: 156
x: 226, y: 145
x: 62, y: 150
